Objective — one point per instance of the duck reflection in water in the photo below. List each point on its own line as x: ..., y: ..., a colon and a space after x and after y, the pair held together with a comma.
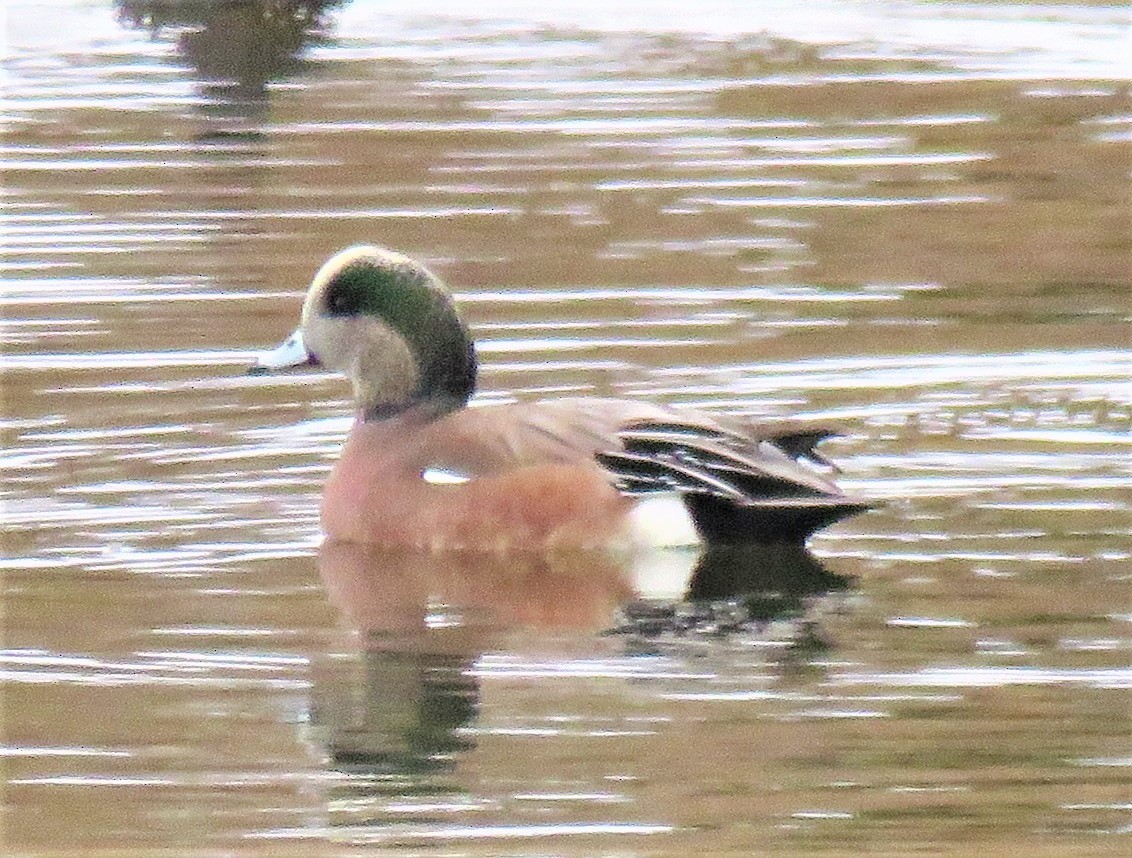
x: 396, y: 714
x: 420, y: 621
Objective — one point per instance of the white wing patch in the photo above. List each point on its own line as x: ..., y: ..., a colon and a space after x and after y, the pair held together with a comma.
x: 444, y: 477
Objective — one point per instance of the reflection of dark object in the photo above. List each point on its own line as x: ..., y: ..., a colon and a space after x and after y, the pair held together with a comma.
x: 734, y: 589
x: 762, y: 576
x: 810, y: 641
x: 403, y: 718
x: 238, y: 46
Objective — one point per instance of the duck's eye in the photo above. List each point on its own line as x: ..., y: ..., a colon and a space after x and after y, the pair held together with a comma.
x: 345, y: 295
x: 338, y: 302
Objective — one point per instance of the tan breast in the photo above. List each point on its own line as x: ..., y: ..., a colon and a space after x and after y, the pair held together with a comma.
x: 527, y: 486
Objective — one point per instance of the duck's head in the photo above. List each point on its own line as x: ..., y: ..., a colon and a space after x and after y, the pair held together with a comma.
x: 389, y: 325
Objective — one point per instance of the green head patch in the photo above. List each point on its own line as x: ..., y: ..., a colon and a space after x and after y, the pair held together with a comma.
x: 413, y: 302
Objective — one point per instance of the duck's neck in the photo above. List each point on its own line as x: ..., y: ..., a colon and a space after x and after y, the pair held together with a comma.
x: 424, y: 410
x: 448, y: 372
x: 447, y: 367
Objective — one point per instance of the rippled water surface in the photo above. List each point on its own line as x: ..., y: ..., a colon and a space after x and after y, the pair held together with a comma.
x: 906, y: 219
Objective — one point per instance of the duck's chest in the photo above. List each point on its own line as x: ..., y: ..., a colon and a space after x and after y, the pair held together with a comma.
x: 379, y: 494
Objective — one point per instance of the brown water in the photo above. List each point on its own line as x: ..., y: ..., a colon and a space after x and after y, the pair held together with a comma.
x: 908, y: 219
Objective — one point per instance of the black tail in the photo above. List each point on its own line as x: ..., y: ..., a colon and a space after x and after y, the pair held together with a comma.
x: 778, y: 520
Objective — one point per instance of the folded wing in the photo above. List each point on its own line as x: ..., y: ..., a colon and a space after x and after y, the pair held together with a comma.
x: 738, y: 488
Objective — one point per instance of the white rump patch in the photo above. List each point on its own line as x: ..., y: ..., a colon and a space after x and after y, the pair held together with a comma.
x: 664, y: 573
x: 444, y: 477
x: 662, y: 521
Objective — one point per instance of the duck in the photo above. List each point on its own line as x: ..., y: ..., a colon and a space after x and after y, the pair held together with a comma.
x: 425, y: 467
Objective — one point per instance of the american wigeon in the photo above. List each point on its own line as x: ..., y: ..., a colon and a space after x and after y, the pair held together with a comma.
x: 422, y: 468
